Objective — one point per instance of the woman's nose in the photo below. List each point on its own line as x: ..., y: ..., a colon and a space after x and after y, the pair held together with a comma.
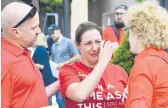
x: 94, y: 46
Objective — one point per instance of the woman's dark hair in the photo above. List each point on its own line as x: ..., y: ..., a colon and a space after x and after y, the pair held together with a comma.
x: 83, y: 27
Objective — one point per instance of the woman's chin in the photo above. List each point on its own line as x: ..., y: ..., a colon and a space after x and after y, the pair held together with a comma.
x: 133, y: 51
x: 94, y: 60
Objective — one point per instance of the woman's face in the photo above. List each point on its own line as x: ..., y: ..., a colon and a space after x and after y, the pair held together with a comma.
x: 135, y: 45
x: 89, y: 47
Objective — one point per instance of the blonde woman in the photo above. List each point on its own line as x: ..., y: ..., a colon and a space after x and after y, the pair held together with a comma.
x: 148, y: 83
x: 41, y: 57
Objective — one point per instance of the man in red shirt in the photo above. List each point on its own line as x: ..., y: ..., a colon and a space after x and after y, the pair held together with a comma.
x: 22, y: 84
x: 115, y: 33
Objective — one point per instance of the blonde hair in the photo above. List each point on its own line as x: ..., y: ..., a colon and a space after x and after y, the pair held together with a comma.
x: 149, y: 22
x: 41, y: 41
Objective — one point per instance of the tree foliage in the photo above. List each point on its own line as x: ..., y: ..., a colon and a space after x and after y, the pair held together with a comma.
x: 49, y: 4
x: 141, y: 1
x: 123, y: 57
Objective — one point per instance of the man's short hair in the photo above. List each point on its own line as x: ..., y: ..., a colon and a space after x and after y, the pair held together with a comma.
x: 52, y: 28
x: 121, y: 7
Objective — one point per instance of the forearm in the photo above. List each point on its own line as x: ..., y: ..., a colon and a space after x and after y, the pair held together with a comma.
x: 81, y: 91
x: 52, y: 88
x: 39, y: 66
x: 85, y: 88
x: 76, y: 57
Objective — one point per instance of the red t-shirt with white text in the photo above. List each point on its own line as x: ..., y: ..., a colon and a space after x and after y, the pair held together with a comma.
x: 107, y: 94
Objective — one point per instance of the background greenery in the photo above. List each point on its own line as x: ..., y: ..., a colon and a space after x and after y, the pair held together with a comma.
x: 123, y: 57
x: 50, y: 5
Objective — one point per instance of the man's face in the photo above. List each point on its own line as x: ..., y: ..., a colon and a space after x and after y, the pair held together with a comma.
x: 56, y: 34
x: 118, y: 17
x: 28, y: 32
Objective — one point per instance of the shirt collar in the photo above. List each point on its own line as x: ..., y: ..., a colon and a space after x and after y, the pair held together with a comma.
x: 84, y: 67
x: 13, y: 48
x: 147, y: 52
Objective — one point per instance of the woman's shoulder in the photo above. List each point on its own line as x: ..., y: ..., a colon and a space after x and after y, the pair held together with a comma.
x: 41, y: 49
x: 68, y: 69
x: 71, y: 66
x: 115, y: 69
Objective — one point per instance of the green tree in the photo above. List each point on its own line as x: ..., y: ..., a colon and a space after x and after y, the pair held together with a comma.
x: 49, y: 5
x: 141, y: 1
x: 123, y: 57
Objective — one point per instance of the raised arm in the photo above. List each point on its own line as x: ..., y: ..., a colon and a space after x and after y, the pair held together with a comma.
x: 80, y: 91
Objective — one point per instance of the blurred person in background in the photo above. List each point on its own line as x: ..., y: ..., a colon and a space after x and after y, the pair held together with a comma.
x: 41, y: 57
x: 115, y: 33
x: 50, y: 41
x: 63, y: 51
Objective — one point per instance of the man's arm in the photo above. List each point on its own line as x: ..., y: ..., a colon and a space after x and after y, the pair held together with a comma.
x: 74, y: 52
x: 39, y: 66
x: 75, y: 58
x: 6, y: 88
x: 53, y: 88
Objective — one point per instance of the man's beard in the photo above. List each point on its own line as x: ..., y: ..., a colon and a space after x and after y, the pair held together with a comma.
x: 119, y: 24
x: 32, y: 44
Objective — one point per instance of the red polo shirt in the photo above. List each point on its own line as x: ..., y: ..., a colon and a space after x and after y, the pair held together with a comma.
x: 22, y: 84
x: 107, y: 94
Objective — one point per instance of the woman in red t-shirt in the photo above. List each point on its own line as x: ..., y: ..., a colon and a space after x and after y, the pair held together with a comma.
x: 93, y: 82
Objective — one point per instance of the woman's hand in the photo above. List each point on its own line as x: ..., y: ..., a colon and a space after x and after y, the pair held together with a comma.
x: 39, y: 66
x: 106, y: 51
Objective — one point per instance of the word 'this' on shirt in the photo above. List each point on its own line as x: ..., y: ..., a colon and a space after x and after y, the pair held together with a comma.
x: 107, y: 94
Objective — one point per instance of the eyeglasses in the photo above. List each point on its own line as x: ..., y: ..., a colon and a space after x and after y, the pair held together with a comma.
x: 31, y: 14
x: 119, y: 14
x: 128, y: 28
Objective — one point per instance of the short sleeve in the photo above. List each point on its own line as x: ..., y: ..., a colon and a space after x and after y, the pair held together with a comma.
x: 124, y: 76
x: 68, y: 75
x: 73, y: 49
x: 6, y: 87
